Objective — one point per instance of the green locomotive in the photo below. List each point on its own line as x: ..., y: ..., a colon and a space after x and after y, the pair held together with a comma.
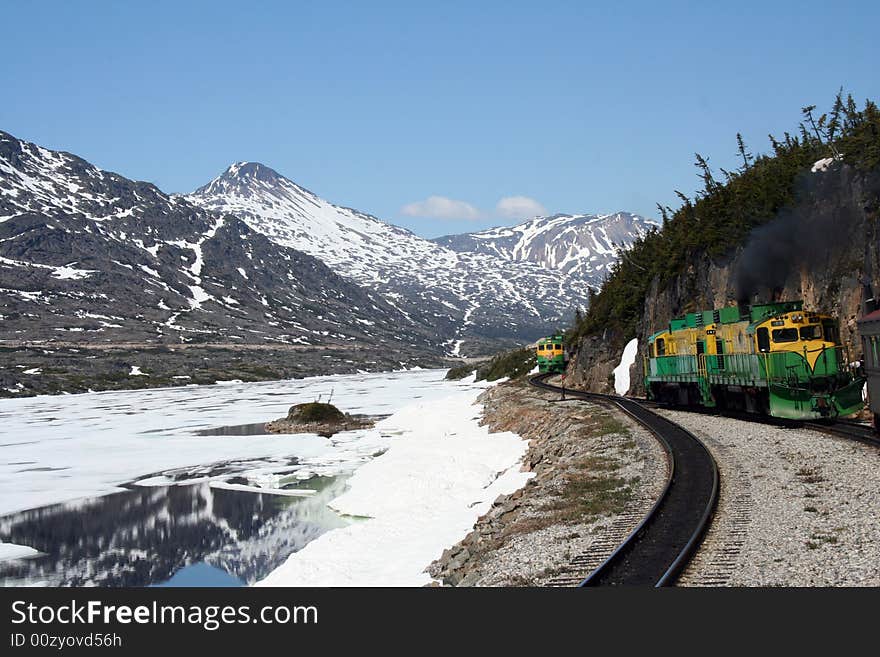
x: 551, y: 354
x: 772, y: 358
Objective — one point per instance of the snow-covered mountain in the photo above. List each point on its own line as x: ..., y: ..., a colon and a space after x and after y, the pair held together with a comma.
x: 473, y: 296
x: 252, y: 257
x: 88, y: 255
x: 583, y: 246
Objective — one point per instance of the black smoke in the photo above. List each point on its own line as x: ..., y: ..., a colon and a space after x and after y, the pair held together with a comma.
x: 808, y: 237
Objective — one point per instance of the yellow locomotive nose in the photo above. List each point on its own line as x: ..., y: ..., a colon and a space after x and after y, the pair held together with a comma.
x: 550, y: 353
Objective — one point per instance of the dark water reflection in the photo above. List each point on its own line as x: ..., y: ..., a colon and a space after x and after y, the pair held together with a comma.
x: 145, y: 535
x: 253, y: 429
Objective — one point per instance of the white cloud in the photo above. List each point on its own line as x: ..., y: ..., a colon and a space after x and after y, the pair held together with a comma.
x: 519, y: 207
x: 440, y: 207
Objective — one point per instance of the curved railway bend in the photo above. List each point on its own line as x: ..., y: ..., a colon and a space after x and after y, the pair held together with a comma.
x: 657, y: 550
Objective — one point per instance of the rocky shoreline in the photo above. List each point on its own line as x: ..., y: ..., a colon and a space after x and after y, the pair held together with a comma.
x: 596, y: 473
x: 47, y: 369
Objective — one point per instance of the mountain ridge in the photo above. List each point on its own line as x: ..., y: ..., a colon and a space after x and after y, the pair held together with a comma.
x: 251, y: 257
x: 560, y: 241
x: 79, y: 244
x: 480, y: 299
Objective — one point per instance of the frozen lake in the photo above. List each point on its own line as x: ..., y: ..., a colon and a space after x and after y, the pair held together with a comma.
x: 62, y: 447
x: 125, y: 488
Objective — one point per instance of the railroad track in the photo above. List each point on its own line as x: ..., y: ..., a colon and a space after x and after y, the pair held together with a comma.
x: 721, y: 557
x: 657, y: 550
x: 610, y: 537
x: 863, y: 433
x: 851, y: 429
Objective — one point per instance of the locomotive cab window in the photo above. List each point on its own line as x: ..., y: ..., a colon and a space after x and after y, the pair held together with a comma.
x: 660, y: 346
x: 557, y: 346
x: 812, y: 332
x: 763, y: 340
x: 831, y: 333
x: 785, y: 335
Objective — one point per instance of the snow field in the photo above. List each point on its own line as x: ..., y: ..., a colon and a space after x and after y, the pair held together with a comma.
x: 441, y: 472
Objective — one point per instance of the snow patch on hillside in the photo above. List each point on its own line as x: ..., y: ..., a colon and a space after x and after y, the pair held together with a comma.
x: 621, y: 372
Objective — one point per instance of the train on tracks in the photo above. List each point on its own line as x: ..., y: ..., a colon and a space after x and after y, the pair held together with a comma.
x: 551, y: 354
x: 775, y: 359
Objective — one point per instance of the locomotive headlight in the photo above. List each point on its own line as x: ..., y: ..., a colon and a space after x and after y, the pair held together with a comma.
x: 797, y: 318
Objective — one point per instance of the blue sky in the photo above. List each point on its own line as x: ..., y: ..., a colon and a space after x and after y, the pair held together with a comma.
x: 438, y: 116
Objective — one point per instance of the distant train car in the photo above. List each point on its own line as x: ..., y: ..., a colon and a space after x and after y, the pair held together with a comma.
x: 775, y: 359
x: 551, y: 354
x: 869, y: 330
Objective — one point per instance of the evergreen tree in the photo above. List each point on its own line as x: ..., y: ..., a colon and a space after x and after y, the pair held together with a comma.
x: 722, y: 216
x: 808, y: 115
x: 837, y: 112
x: 709, y: 184
x: 664, y: 215
x: 743, y: 153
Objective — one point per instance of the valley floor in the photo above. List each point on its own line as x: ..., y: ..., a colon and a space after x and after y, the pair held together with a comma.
x: 53, y: 368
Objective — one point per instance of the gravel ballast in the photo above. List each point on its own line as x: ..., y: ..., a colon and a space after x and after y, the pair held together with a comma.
x: 797, y: 507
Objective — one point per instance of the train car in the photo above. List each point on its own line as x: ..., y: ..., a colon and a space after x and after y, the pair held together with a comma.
x: 869, y: 330
x: 774, y: 358
x: 551, y: 354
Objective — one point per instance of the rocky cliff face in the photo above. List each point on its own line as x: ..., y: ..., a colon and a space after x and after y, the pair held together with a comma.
x: 817, y: 250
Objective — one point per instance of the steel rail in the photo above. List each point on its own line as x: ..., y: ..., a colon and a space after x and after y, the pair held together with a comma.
x: 658, y: 549
x: 840, y: 427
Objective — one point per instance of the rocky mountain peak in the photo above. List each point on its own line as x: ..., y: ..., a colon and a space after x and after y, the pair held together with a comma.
x: 475, y: 290
x: 255, y: 170
x: 247, y: 179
